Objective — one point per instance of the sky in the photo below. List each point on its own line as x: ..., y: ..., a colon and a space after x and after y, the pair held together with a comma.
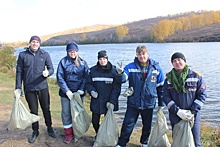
x: 21, y: 19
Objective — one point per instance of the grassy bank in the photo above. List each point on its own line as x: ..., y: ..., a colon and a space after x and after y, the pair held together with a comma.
x: 210, y: 136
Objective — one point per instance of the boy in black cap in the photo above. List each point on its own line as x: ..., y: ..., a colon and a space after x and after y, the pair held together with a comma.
x: 34, y: 77
x: 184, y: 94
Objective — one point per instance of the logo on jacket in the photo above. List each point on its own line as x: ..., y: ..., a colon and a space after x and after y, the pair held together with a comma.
x: 153, y: 79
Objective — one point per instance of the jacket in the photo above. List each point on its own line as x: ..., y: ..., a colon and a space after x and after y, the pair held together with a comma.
x: 29, y: 70
x: 192, y: 100
x: 107, y: 83
x: 71, y: 77
x: 147, y: 90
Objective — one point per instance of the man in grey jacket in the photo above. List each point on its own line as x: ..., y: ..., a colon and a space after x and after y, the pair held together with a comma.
x: 34, y: 65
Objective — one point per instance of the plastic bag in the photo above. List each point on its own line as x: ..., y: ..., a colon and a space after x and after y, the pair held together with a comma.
x: 182, y: 134
x: 80, y: 118
x: 21, y: 118
x: 158, y: 136
x: 108, y: 131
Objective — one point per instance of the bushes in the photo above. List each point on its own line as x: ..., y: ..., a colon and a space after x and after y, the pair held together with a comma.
x: 7, y: 60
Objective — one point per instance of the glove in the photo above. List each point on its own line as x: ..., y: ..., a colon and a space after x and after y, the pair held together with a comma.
x: 185, y: 114
x: 80, y: 92
x: 128, y: 92
x: 17, y: 93
x: 94, y: 94
x: 45, y: 72
x: 119, y: 69
x: 110, y: 105
x: 69, y: 94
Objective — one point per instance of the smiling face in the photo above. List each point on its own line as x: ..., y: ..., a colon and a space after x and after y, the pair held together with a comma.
x: 34, y: 44
x: 142, y: 57
x: 73, y: 54
x: 103, y: 61
x: 178, y: 64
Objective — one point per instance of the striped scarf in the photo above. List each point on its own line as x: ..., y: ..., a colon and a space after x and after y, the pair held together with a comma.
x: 178, y: 79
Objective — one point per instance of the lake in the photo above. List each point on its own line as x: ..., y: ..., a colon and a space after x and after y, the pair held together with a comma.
x: 202, y: 57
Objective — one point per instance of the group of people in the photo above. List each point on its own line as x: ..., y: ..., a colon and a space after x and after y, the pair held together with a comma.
x: 183, y: 90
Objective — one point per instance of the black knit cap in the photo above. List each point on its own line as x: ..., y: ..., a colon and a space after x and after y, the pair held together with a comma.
x: 103, y: 54
x: 35, y: 38
x: 177, y: 55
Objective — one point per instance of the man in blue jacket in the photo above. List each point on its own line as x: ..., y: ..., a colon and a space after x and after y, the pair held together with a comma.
x: 146, y: 77
x: 184, y: 94
x: 34, y: 65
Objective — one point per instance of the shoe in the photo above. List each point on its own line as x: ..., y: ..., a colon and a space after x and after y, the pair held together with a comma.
x: 117, y: 146
x: 51, y: 132
x: 33, y: 137
x: 143, y: 145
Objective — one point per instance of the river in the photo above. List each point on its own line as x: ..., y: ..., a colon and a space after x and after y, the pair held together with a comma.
x: 202, y: 57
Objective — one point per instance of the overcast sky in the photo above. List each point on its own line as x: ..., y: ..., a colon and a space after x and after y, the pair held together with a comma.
x: 20, y: 19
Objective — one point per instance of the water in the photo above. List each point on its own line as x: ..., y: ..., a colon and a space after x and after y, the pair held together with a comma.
x: 203, y: 57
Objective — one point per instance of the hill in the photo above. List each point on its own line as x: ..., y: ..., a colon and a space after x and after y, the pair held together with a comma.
x: 139, y: 31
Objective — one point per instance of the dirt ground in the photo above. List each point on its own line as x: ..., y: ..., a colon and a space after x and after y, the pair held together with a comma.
x: 19, y: 138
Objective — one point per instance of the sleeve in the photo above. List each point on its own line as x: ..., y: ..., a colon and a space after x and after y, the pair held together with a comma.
x: 160, y: 83
x: 85, y: 76
x: 116, y: 88
x: 19, y: 72
x: 60, y: 78
x: 89, y: 83
x: 167, y: 98
x: 201, y: 96
x: 49, y: 64
x: 125, y: 74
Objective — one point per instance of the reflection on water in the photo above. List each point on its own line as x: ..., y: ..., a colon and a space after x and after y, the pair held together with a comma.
x: 203, y: 57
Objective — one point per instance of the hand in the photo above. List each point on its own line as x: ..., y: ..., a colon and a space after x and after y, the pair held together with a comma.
x: 128, y: 92
x: 17, y: 93
x: 119, y: 69
x: 110, y: 105
x: 185, y: 114
x: 69, y: 94
x: 94, y: 94
x: 45, y: 72
x: 80, y: 92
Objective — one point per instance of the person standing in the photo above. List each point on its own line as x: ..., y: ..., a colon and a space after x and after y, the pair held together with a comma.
x: 146, y: 77
x: 34, y: 65
x: 184, y: 94
x: 104, y: 86
x: 72, y: 72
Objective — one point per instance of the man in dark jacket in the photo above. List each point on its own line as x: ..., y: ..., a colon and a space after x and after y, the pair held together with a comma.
x: 146, y: 78
x: 104, y: 86
x: 184, y: 94
x: 33, y: 67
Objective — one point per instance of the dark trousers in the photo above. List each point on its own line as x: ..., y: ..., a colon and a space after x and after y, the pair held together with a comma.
x: 129, y: 122
x: 95, y: 121
x: 43, y: 96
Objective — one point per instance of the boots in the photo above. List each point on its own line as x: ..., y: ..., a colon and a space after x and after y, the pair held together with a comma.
x: 68, y: 135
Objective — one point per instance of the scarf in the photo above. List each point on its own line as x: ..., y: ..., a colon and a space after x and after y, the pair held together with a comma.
x: 178, y: 79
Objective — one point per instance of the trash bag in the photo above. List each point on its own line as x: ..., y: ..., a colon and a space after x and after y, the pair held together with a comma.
x: 21, y: 118
x: 108, y: 131
x: 80, y: 118
x: 182, y: 134
x: 158, y: 136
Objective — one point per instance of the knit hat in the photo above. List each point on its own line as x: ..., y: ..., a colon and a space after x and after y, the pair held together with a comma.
x: 72, y: 46
x: 177, y: 55
x: 102, y: 54
x: 35, y: 38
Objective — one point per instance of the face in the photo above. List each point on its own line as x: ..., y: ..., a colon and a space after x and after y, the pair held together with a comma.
x: 178, y: 64
x: 73, y: 54
x: 34, y: 44
x: 142, y: 57
x: 103, y: 61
